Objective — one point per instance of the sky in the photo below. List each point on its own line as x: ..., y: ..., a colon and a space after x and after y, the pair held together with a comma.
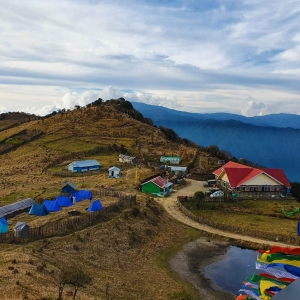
x: 199, y: 56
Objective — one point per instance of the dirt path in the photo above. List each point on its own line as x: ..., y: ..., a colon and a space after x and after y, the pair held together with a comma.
x: 193, y: 186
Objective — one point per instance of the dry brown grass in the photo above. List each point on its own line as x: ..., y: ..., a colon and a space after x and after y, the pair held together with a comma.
x: 122, y: 252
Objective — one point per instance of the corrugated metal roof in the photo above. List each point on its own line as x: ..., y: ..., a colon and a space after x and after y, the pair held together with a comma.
x: 239, y: 174
x: 159, y: 181
x: 278, y: 175
x: 85, y: 163
x: 123, y: 156
x: 15, y: 207
x: 71, y: 184
x: 20, y: 225
x: 114, y: 168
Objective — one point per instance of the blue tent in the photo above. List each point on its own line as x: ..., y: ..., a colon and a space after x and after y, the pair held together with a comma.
x: 82, y: 194
x: 52, y: 205
x: 77, y: 196
x: 64, y: 201
x: 95, y: 206
x: 3, y: 225
x: 38, y: 210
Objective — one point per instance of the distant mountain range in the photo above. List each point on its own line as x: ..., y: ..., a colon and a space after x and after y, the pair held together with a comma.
x: 272, y: 141
x: 276, y: 120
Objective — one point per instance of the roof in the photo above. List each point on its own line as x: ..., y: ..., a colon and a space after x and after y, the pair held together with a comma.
x: 85, y: 163
x: 159, y: 181
x: 114, y: 168
x: 20, y: 225
x: 174, y: 168
x: 173, y: 157
x: 239, y: 174
x: 15, y: 207
x: 71, y: 184
x: 126, y: 156
x: 278, y: 175
x: 230, y: 164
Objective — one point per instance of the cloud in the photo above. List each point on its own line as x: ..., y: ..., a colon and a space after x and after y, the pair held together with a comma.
x: 157, y: 49
x: 260, y: 109
x: 3, y: 109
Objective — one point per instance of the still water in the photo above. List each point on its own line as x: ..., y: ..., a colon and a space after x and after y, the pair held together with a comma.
x: 229, y: 273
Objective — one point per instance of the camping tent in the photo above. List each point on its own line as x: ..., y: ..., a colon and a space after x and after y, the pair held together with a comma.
x: 21, y: 230
x: 64, y: 201
x: 95, y: 206
x: 52, y: 205
x: 81, y: 195
x: 38, y: 210
x: 3, y: 225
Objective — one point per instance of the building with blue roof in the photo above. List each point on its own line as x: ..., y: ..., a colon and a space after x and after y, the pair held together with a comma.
x: 84, y: 165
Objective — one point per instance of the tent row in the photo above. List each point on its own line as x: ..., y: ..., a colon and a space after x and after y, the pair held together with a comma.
x: 59, y: 202
x: 22, y: 229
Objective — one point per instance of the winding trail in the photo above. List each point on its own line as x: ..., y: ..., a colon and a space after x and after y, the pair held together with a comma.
x: 193, y: 186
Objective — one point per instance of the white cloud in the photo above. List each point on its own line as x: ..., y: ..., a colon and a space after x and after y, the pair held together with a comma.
x: 3, y: 109
x: 260, y: 109
x: 157, y: 49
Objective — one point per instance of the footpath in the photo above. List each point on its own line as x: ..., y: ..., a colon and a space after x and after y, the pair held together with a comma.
x: 170, y: 205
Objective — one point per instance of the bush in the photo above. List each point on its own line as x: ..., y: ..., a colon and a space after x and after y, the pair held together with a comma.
x: 135, y: 211
x: 199, y: 196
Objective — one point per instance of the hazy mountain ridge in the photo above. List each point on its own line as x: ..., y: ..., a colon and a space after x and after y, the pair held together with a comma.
x: 275, y: 120
x: 270, y: 146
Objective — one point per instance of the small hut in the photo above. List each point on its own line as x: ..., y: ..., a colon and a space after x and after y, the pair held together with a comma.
x: 113, y: 172
x: 171, y: 160
x: 21, y: 230
x: 128, y: 159
x: 69, y: 187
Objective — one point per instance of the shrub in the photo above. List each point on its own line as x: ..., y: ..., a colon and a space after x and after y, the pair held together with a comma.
x: 135, y: 211
x: 40, y: 268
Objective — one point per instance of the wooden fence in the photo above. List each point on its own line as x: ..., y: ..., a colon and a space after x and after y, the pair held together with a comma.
x: 74, y: 223
x: 243, y: 231
x: 67, y: 173
x: 206, y: 199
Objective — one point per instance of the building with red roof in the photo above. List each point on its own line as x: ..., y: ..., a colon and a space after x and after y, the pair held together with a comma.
x: 242, y: 180
x: 157, y: 186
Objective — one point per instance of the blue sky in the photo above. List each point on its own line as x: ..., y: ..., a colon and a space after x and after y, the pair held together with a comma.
x: 200, y: 56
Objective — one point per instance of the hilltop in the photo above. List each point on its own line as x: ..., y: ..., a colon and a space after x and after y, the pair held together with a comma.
x: 126, y: 253
x: 100, y: 131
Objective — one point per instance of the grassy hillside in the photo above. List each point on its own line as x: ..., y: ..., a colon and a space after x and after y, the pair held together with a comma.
x: 100, y: 132
x: 121, y: 254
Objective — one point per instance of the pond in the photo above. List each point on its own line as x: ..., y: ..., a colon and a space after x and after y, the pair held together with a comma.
x: 229, y: 273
